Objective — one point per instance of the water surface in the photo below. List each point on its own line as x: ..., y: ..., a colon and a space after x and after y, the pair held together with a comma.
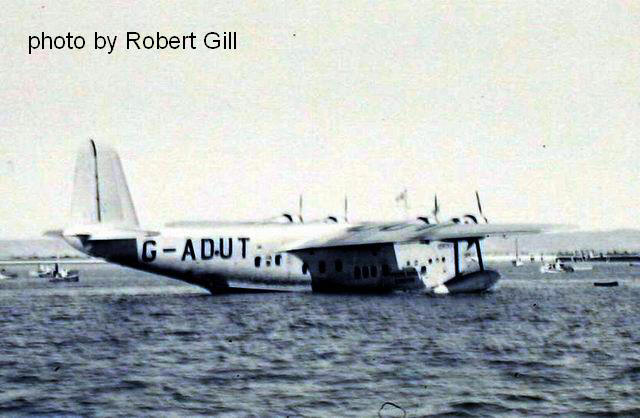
x: 125, y: 343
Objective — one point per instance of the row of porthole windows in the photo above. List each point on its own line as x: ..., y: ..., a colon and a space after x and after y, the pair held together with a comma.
x: 322, y: 267
x: 415, y: 262
x: 277, y: 261
x: 364, y: 272
x: 358, y: 272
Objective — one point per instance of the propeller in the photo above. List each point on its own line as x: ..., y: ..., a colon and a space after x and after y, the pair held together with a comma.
x: 436, y: 209
x: 480, y: 207
x: 300, y: 209
x: 346, y: 208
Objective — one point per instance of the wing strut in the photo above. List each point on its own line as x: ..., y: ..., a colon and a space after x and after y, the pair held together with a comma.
x: 480, y: 263
x: 456, y: 258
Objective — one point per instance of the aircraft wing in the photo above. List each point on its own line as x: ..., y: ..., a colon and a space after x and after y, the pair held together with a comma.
x: 381, y: 233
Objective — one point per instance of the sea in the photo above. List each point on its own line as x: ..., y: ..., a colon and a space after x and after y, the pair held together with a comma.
x: 125, y: 343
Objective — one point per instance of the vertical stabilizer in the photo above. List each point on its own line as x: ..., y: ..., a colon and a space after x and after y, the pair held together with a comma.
x: 100, y: 191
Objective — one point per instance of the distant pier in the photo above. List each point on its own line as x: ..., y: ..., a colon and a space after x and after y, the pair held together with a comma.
x: 602, y: 258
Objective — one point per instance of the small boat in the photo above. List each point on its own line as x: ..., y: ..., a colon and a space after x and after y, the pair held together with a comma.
x: 606, y: 284
x: 581, y: 267
x: 70, y: 278
x: 4, y: 274
x: 556, y: 267
x: 62, y: 275
x: 517, y: 262
x: 43, y: 272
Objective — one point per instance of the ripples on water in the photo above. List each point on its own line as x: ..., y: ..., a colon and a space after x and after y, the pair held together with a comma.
x: 124, y: 343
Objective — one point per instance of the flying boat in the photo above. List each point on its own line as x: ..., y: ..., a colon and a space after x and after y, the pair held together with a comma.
x: 286, y: 253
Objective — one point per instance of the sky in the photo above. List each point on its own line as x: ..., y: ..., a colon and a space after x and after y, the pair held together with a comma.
x: 534, y: 104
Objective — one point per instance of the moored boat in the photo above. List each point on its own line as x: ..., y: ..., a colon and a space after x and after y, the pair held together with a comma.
x: 62, y: 275
x: 43, y: 272
x: 4, y: 274
x: 517, y: 262
x: 556, y: 267
x: 606, y: 284
x: 581, y: 267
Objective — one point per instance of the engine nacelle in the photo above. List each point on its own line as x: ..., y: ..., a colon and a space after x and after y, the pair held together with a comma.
x: 466, y: 219
x: 469, y: 219
x: 287, y: 218
x: 334, y: 220
x: 427, y: 220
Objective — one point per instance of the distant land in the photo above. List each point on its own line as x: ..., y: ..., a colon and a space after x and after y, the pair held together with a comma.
x: 620, y: 240
x: 37, y: 248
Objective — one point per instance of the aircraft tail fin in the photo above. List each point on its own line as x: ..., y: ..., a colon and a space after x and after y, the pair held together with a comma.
x: 100, y: 191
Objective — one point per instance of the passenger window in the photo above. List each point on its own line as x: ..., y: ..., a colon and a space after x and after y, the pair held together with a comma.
x: 357, y: 274
x: 338, y: 266
x: 268, y: 263
x: 257, y: 262
x: 365, y: 272
x: 385, y: 270
x: 423, y: 269
x: 431, y: 261
x: 305, y: 268
x: 374, y: 271
x: 443, y: 259
x: 415, y: 263
x: 322, y: 267
x: 278, y: 259
x: 408, y: 263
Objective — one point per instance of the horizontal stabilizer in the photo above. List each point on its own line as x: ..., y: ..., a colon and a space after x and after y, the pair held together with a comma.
x: 99, y: 233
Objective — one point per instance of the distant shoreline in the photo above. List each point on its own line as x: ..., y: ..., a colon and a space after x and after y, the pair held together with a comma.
x: 53, y: 260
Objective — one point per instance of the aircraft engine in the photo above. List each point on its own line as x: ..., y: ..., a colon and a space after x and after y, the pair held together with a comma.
x: 286, y: 218
x: 469, y: 219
